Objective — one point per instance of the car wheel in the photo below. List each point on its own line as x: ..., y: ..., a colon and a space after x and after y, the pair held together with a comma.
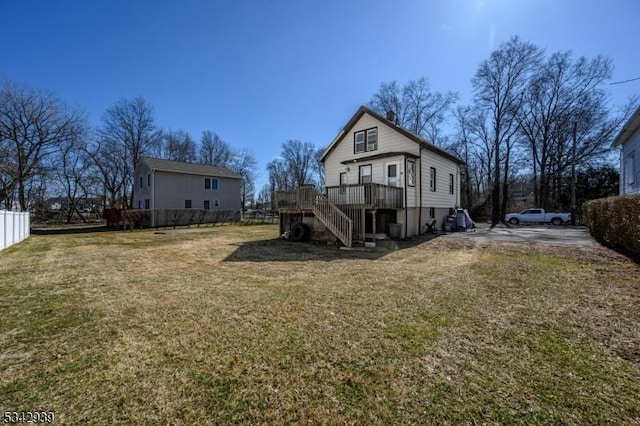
x: 514, y: 221
x: 556, y: 221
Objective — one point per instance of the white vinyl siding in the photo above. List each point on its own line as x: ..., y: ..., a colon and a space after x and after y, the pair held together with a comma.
x: 441, y: 198
x: 388, y: 140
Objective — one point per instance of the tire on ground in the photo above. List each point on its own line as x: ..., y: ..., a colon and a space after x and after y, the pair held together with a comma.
x: 299, y: 232
x: 557, y: 221
x: 514, y: 221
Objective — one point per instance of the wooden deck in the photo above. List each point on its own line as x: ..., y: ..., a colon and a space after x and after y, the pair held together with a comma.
x: 343, y: 210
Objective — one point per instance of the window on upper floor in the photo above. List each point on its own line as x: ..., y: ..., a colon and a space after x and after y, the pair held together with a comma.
x: 432, y: 179
x: 140, y: 181
x: 451, y: 183
x: 149, y: 179
x: 211, y: 183
x: 365, y: 140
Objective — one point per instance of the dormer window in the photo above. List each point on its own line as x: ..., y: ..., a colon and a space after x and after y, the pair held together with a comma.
x: 366, y: 140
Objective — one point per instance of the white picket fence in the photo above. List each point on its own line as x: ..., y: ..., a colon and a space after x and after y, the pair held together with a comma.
x: 14, y: 227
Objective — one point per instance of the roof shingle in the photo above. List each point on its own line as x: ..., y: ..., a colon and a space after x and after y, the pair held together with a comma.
x: 189, y: 168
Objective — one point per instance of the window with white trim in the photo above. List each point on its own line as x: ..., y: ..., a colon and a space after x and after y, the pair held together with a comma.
x: 211, y: 183
x: 365, y: 174
x: 411, y: 173
x: 630, y: 168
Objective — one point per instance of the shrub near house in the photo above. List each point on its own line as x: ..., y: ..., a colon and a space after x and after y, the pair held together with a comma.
x: 615, y: 222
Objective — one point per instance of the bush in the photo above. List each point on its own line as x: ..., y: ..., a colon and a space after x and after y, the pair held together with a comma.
x: 615, y: 223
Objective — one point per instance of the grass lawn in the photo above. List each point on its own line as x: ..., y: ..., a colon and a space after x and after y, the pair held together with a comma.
x: 235, y: 326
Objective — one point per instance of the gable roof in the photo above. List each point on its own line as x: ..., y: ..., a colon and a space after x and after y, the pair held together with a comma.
x: 632, y: 124
x: 189, y: 168
x: 408, y: 134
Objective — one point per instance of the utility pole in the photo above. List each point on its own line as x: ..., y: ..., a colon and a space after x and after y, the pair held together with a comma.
x: 573, y: 175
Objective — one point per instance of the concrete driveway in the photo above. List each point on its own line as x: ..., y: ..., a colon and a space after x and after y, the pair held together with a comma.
x: 541, y: 234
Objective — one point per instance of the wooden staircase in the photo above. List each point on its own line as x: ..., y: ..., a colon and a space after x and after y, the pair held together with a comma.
x: 333, y: 218
x: 308, y: 198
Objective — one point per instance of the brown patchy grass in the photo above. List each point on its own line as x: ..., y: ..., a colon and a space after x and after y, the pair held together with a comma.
x: 234, y: 326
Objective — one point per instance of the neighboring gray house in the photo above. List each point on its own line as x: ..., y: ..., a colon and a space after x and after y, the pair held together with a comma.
x: 379, y: 178
x: 628, y: 141
x: 165, y: 184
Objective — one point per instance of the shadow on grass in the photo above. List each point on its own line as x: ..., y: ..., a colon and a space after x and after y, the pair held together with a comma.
x: 280, y: 250
x: 75, y: 230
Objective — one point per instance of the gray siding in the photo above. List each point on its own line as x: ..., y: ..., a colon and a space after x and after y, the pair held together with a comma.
x: 141, y: 193
x: 168, y: 190
x: 172, y: 189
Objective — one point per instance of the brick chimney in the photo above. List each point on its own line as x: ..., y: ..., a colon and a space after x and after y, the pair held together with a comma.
x: 391, y: 116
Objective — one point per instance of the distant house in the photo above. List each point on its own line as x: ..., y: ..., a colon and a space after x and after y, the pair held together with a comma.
x: 165, y: 184
x: 383, y: 178
x: 628, y: 142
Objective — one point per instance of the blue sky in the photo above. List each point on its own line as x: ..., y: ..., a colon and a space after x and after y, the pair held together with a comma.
x: 261, y: 72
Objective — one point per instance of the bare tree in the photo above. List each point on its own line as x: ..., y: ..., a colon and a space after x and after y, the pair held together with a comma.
x: 214, y: 150
x: 300, y: 158
x: 263, y: 200
x: 33, y: 125
x: 110, y: 169
x: 417, y: 107
x: 244, y: 163
x: 499, y: 84
x: 178, y: 146
x: 71, y: 171
x: 563, y: 92
x: 129, y: 128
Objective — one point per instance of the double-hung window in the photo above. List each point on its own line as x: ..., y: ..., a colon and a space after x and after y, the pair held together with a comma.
x: 365, y: 174
x: 630, y: 169
x: 451, y: 183
x: 365, y: 140
x: 211, y: 183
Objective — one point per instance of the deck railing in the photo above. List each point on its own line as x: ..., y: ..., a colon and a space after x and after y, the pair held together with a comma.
x: 366, y: 195
x: 299, y: 198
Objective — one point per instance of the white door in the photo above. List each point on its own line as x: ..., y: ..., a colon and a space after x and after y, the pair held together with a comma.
x: 392, y: 173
